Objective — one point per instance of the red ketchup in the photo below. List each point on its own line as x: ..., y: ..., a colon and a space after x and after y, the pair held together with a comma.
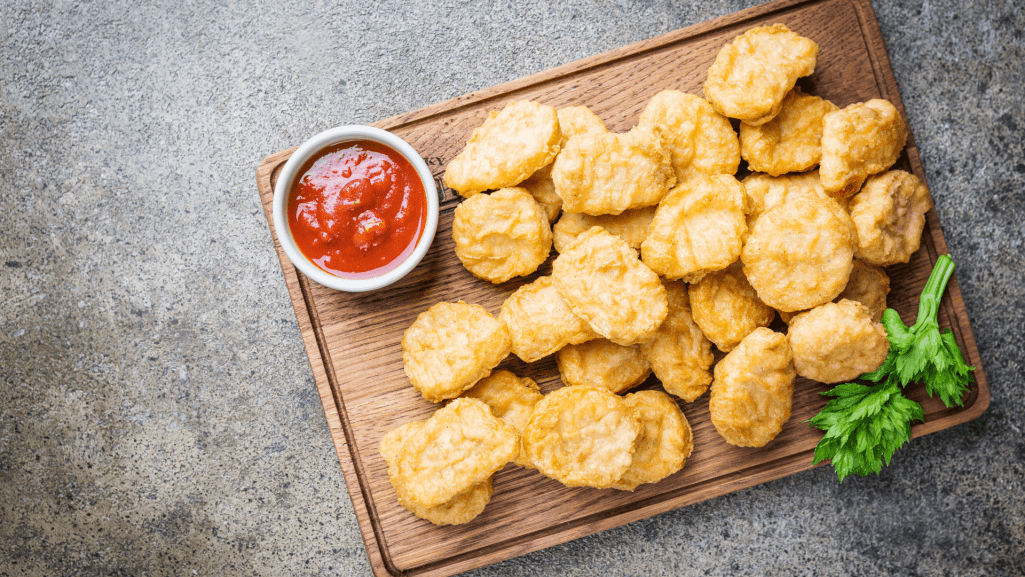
x: 358, y: 210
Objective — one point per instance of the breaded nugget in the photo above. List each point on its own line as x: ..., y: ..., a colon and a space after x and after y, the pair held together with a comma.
x: 630, y: 225
x: 753, y: 389
x: 664, y: 443
x: 540, y: 322
x: 679, y: 353
x: 727, y: 308
x: 889, y: 214
x: 541, y: 187
x: 790, y: 142
x: 579, y: 120
x: 501, y: 235
x: 582, y: 436
x: 511, y: 399
x: 610, y: 173
x: 837, y: 342
x: 449, y: 347
x: 697, y: 228
x: 700, y: 140
x: 510, y: 146
x: 799, y: 255
x: 868, y: 285
x: 751, y: 76
x: 603, y: 363
x: 604, y: 283
x: 857, y: 142
x: 764, y: 192
x: 461, y: 445
x: 460, y: 509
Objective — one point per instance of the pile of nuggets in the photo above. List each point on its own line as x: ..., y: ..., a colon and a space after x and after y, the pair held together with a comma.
x: 662, y: 253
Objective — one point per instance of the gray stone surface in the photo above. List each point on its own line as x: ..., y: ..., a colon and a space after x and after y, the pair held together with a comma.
x: 157, y: 412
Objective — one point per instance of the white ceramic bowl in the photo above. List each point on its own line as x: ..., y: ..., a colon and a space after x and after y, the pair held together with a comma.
x: 290, y: 172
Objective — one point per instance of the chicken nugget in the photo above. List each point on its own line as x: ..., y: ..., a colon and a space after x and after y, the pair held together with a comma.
x: 630, y: 225
x: 837, y: 342
x: 889, y: 214
x: 449, y: 347
x: 700, y: 140
x: 541, y: 187
x: 858, y: 141
x: 790, y: 142
x: 664, y: 443
x: 461, y: 445
x: 510, y: 146
x: 751, y: 76
x: 753, y: 389
x: 540, y: 322
x: 603, y: 363
x: 511, y: 399
x: 868, y: 285
x: 604, y: 283
x: 679, y: 353
x: 582, y: 436
x: 501, y: 235
x: 697, y: 228
x: 765, y: 191
x: 460, y: 509
x: 610, y: 173
x: 727, y: 308
x: 799, y: 255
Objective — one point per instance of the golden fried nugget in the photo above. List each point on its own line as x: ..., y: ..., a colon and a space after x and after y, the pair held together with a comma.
x: 751, y: 76
x: 610, y: 173
x: 603, y: 363
x: 764, y: 192
x: 582, y: 436
x: 664, y: 443
x: 540, y: 322
x: 541, y: 187
x: 511, y: 399
x: 790, y: 142
x: 700, y: 140
x: 868, y: 285
x: 753, y: 389
x: 449, y: 347
x: 679, y: 353
x: 837, y: 342
x: 579, y: 120
x: 799, y: 255
x: 697, y: 228
x: 857, y: 142
x: 461, y: 445
x: 510, y: 146
x: 727, y: 308
x: 889, y: 214
x: 460, y: 509
x: 630, y: 225
x: 604, y: 283
x: 501, y: 235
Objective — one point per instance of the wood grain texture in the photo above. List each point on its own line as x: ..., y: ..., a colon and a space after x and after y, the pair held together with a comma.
x: 353, y: 339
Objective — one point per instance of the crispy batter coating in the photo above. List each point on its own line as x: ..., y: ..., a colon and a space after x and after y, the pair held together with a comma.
x: 609, y: 173
x: 858, y: 141
x: 727, y: 308
x: 837, y: 342
x: 868, y: 285
x: 541, y: 187
x: 700, y: 140
x: 697, y: 228
x: 764, y: 192
x: 579, y: 120
x: 664, y: 443
x: 753, y: 389
x: 889, y: 214
x: 790, y: 142
x: 540, y: 322
x: 461, y: 445
x: 751, y: 76
x: 511, y: 399
x: 630, y: 225
x: 799, y: 255
x: 510, y: 146
x: 603, y: 363
x: 501, y: 235
x: 604, y: 283
x: 460, y: 509
x: 679, y: 353
x: 582, y: 436
x: 449, y: 347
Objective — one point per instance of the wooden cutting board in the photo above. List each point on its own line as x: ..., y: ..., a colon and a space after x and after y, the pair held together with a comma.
x: 353, y: 339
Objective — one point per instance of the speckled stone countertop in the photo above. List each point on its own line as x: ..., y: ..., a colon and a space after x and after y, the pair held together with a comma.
x: 158, y: 415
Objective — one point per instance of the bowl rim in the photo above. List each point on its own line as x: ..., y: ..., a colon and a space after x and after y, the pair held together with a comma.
x: 289, y: 172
